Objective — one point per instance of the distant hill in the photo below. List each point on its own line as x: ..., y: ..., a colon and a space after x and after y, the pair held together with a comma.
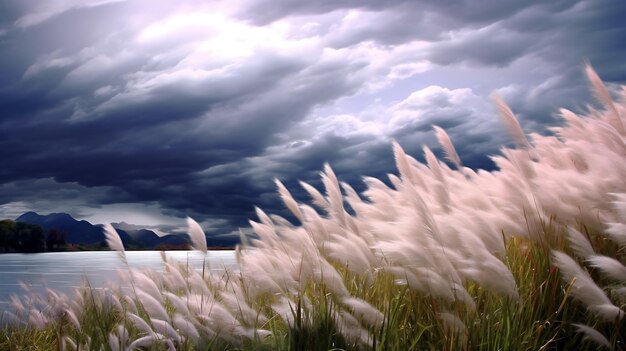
x: 149, y: 239
x: 76, y: 232
x: 83, y: 232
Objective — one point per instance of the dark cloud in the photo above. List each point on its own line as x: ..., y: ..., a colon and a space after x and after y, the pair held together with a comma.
x: 109, y: 103
x: 470, y: 11
x: 97, y: 116
x: 490, y: 46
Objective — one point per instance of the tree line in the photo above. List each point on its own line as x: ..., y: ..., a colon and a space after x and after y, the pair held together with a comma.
x: 24, y: 237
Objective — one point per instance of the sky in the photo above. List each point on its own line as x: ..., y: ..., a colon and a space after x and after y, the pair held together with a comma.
x: 151, y: 111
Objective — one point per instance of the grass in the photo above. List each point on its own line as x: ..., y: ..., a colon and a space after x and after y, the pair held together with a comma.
x: 540, y: 320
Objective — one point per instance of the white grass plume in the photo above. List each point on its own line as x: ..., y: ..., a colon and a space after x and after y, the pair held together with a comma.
x: 448, y: 147
x: 362, y: 310
x: 333, y: 194
x: 316, y: 196
x: 71, y: 316
x: 177, y: 302
x: 147, y: 285
x: 617, y: 232
x: 130, y: 303
x: 327, y: 274
x: 114, y: 241
x: 237, y: 304
x: 351, y: 329
x: 139, y: 323
x: 152, y: 305
x: 584, y: 288
x: 263, y: 217
x: 609, y: 266
x: 404, y: 167
x: 453, y: 323
x: 198, y: 239
x: 174, y: 278
x: 433, y: 164
x: 114, y: 342
x: 67, y: 340
x: 288, y: 200
x: 145, y: 341
x: 511, y: 122
x: 186, y: 327
x: 602, y: 94
x: 592, y: 335
x: 352, y: 251
x: 163, y: 327
x: 579, y: 243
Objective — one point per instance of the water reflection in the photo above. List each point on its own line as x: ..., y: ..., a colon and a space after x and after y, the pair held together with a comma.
x: 63, y: 271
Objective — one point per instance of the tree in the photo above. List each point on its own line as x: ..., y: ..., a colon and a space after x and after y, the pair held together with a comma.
x: 55, y: 240
x: 30, y: 237
x: 51, y: 240
x: 7, y: 234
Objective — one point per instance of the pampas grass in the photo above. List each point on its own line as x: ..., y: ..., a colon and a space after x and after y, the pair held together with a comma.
x: 529, y: 256
x: 114, y: 241
x: 592, y: 335
x: 196, y: 234
x: 585, y: 289
x: 448, y: 147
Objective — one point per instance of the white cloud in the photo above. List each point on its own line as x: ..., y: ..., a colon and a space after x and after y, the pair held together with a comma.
x: 49, y: 61
x: 141, y: 214
x: 46, y: 10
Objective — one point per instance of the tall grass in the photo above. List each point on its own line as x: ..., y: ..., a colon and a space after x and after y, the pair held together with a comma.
x: 527, y: 257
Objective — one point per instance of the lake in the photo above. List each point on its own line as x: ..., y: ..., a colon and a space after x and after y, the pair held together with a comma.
x: 63, y: 271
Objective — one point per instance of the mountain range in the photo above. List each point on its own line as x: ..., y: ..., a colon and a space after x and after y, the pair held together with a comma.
x: 84, y: 233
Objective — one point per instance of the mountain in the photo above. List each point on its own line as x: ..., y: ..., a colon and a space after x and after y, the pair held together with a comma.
x: 149, y: 239
x: 76, y: 232
x: 83, y: 232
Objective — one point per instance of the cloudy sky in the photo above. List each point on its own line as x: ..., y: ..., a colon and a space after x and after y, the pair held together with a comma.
x: 149, y: 111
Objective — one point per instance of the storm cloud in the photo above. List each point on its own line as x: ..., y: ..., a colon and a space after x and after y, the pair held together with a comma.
x: 193, y: 108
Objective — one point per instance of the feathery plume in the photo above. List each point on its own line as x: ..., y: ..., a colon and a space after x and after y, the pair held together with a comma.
x: 406, y: 174
x: 71, y: 342
x: 152, y: 305
x: 177, y: 302
x: 364, y: 311
x: 318, y: 199
x: 602, y: 94
x: 114, y: 241
x: 579, y: 243
x: 448, y: 147
x: 263, y: 217
x: 163, y: 327
x: 186, y: 327
x: 511, y: 122
x: 611, y: 267
x: 72, y: 318
x: 607, y: 311
x: 288, y: 200
x: 453, y: 323
x: 592, y: 335
x: 147, y: 340
x: 617, y: 232
x: 174, y: 279
x: 333, y: 194
x: 114, y: 342
x: 139, y: 323
x: 147, y: 284
x: 198, y: 239
x: 584, y: 288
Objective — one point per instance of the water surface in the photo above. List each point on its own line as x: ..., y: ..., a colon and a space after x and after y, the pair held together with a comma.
x: 63, y: 271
